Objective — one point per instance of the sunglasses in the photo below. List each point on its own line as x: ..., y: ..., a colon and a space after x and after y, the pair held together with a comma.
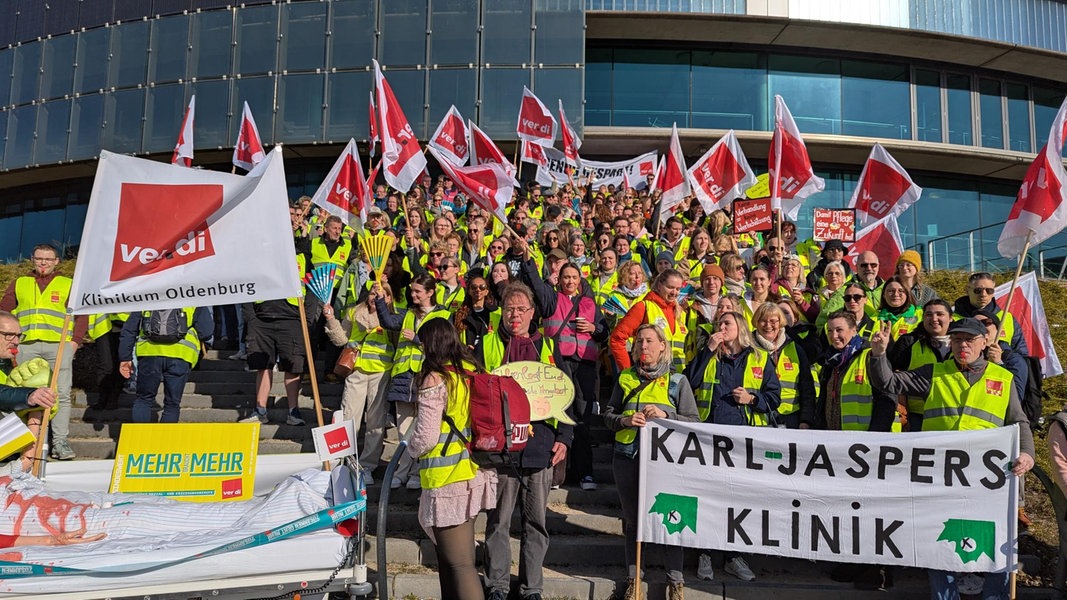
x: 481, y: 287
x: 854, y: 297
x: 869, y: 265
x: 985, y: 290
x: 437, y: 254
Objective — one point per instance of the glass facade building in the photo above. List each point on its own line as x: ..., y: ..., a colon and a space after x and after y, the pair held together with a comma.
x: 84, y: 75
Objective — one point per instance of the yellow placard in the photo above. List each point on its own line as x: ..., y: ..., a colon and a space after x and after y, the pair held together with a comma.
x: 549, y: 389
x: 760, y: 189
x: 196, y: 462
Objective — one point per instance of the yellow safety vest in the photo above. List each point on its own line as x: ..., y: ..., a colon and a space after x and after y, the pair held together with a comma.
x: 654, y: 314
x: 25, y: 412
x: 374, y: 349
x: 321, y: 256
x: 408, y: 355
x: 449, y: 461
x: 40, y: 314
x: 921, y: 354
x: 601, y: 292
x: 99, y: 325
x: 187, y: 349
x: 494, y: 325
x: 493, y: 351
x: 857, y: 397
x: 755, y: 363
x: 657, y: 392
x: 788, y: 370
x: 955, y: 405
x: 452, y: 301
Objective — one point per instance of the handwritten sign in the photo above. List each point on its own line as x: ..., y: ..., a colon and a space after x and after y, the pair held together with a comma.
x: 835, y: 224
x: 752, y: 215
x: 549, y: 389
x: 762, y: 189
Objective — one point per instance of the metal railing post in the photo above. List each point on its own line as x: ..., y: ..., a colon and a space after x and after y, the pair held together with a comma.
x: 930, y: 255
x: 1041, y: 264
x: 970, y: 250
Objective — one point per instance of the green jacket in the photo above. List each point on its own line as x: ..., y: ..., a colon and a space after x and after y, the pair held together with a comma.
x: 12, y: 398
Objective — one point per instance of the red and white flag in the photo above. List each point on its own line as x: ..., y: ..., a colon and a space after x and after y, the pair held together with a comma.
x: 373, y: 125
x: 484, y: 151
x: 658, y: 174
x: 571, y: 142
x: 674, y: 182
x: 450, y: 139
x: 792, y: 178
x: 883, y: 238
x: 248, y: 152
x: 722, y: 174
x: 536, y: 123
x: 183, y: 150
x: 884, y: 188
x: 1041, y: 205
x: 488, y: 185
x: 1029, y: 313
x: 401, y: 156
x: 345, y: 192
x: 534, y: 154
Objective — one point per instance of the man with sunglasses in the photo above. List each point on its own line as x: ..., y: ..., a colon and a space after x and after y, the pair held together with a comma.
x: 866, y: 276
x: 981, y: 290
x: 18, y: 398
x: 39, y: 300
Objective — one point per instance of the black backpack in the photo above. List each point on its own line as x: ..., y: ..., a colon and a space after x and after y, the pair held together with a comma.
x: 167, y: 326
x: 1034, y: 395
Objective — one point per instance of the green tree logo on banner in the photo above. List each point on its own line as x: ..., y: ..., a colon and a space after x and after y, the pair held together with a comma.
x: 971, y: 538
x: 678, y: 512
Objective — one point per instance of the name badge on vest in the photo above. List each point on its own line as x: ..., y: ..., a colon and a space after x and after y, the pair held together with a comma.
x: 995, y: 388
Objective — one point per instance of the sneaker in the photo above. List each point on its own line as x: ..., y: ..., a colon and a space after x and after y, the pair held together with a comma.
x: 239, y: 356
x: 705, y: 570
x: 555, y: 486
x: 739, y: 569
x: 368, y: 479
x: 294, y: 418
x: 395, y: 483
x: 61, y: 450
x: 631, y: 590
x: 676, y: 591
x: 258, y: 415
x: 588, y: 484
x: 497, y: 595
x: 414, y: 483
x: 533, y: 596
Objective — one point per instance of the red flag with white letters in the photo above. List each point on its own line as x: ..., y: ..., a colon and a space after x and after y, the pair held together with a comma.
x: 883, y: 238
x: 571, y: 142
x: 884, y: 188
x: 450, y: 139
x: 674, y: 182
x: 533, y: 154
x: 488, y: 185
x: 248, y: 152
x: 401, y: 155
x: 1028, y: 310
x: 792, y: 178
x: 183, y: 150
x: 484, y: 151
x: 536, y: 123
x: 722, y: 174
x: 345, y: 192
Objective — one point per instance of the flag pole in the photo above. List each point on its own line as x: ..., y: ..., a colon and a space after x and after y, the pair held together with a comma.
x: 1011, y: 290
x: 40, y: 456
x: 637, y: 572
x: 310, y: 365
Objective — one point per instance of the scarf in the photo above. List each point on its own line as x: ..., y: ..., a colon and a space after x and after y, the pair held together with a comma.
x: 771, y: 345
x: 655, y: 371
x: 705, y: 306
x: 734, y: 286
x: 839, y: 359
x: 907, y: 311
x: 633, y: 292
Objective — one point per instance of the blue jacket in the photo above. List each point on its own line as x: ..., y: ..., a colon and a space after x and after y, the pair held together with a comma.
x: 730, y: 375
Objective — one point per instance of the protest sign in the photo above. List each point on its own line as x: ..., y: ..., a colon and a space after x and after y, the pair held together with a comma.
x: 336, y: 440
x: 599, y: 173
x: 835, y: 224
x: 548, y: 388
x: 752, y: 215
x: 937, y: 500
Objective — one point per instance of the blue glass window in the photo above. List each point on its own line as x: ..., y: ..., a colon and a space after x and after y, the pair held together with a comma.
x: 651, y: 88
x: 928, y: 106
x: 90, y: 73
x: 992, y: 115
x: 996, y: 202
x: 212, y: 114
x: 170, y: 49
x: 729, y: 91
x: 20, y: 125
x: 166, y: 108
x: 211, y: 39
x: 53, y: 119
x: 1046, y: 103
x: 10, y: 238
x: 74, y: 223
x: 123, y: 111
x: 3, y: 134
x: 352, y: 33
x: 454, y: 40
x: 349, y: 106
x: 875, y: 100
x: 86, y: 126
x: 948, y: 206
x: 300, y: 108
x: 960, y: 122
x: 259, y: 93
x: 129, y: 61
x: 506, y: 32
x: 257, y: 40
x: 42, y: 227
x: 598, y: 86
x: 403, y: 40
x: 1018, y: 118
x: 27, y: 71
x: 564, y: 84
x: 560, y: 34
x: 302, y: 34
x: 58, y: 66
x: 452, y: 86
x: 6, y: 56
x: 410, y: 90
x: 811, y: 88
x: 501, y: 94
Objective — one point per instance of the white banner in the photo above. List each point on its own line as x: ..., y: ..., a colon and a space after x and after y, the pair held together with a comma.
x: 602, y: 173
x: 158, y: 236
x: 937, y: 500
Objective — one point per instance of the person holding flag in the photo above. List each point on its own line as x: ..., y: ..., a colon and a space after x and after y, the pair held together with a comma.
x: 981, y: 290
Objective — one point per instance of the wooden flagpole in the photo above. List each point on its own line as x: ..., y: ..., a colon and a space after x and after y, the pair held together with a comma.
x: 40, y: 454
x: 637, y: 573
x: 310, y: 366
x: 1011, y: 290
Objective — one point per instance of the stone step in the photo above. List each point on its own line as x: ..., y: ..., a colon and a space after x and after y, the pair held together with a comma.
x: 104, y: 448
x: 248, y: 387
x: 270, y: 431
x: 559, y: 519
x: 117, y: 416
x: 195, y: 401
x: 603, y: 500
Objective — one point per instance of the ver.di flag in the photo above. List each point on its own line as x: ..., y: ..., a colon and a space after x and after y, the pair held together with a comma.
x: 884, y: 188
x: 1041, y: 205
x: 183, y: 150
x: 450, y: 139
x: 488, y: 185
x: 402, y: 159
x: 372, y: 126
x: 571, y: 142
x: 248, y: 151
x: 934, y: 499
x: 484, y: 151
x: 159, y: 237
x: 792, y: 178
x: 345, y: 192
x: 883, y: 238
x: 675, y: 182
x: 536, y: 123
x: 1028, y: 310
x: 722, y: 174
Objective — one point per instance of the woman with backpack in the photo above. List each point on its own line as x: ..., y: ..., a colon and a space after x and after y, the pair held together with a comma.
x: 454, y: 489
x: 407, y: 361
x: 647, y: 390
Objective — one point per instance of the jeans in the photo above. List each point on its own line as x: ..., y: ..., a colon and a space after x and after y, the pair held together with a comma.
x: 943, y: 586
x: 532, y: 504
x: 151, y: 370
x: 60, y: 423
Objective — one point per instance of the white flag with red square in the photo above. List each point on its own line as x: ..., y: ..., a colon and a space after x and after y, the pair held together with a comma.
x: 450, y: 139
x: 334, y: 441
x: 345, y: 192
x: 1028, y: 310
x: 722, y: 174
x: 488, y: 185
x: 884, y: 188
x: 536, y: 123
x: 402, y: 159
x: 248, y: 151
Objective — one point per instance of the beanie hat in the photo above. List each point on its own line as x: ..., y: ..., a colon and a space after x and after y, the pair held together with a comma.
x: 912, y: 257
x: 713, y: 270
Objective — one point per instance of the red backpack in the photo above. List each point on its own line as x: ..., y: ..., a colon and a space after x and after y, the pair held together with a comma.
x: 500, y: 419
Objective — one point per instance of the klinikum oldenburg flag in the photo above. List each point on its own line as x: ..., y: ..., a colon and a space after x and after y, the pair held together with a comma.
x: 157, y: 236
x: 940, y: 500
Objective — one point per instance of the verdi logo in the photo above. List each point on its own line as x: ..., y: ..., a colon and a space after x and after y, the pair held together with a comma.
x: 678, y: 512
x: 971, y: 539
x: 162, y: 226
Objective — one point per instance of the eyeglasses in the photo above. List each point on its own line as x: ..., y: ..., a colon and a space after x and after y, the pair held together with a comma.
x: 449, y: 266
x: 966, y: 341
x: 895, y: 291
x: 854, y: 297
x: 11, y: 336
x: 869, y: 265
x: 517, y: 310
x: 985, y: 290
x: 774, y: 248
x: 44, y: 259
x: 437, y: 254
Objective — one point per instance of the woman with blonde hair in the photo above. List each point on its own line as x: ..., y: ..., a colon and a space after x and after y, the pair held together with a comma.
x: 791, y: 362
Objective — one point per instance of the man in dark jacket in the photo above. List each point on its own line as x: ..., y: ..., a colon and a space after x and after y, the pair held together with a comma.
x: 530, y: 480
x: 981, y: 290
x: 19, y: 398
